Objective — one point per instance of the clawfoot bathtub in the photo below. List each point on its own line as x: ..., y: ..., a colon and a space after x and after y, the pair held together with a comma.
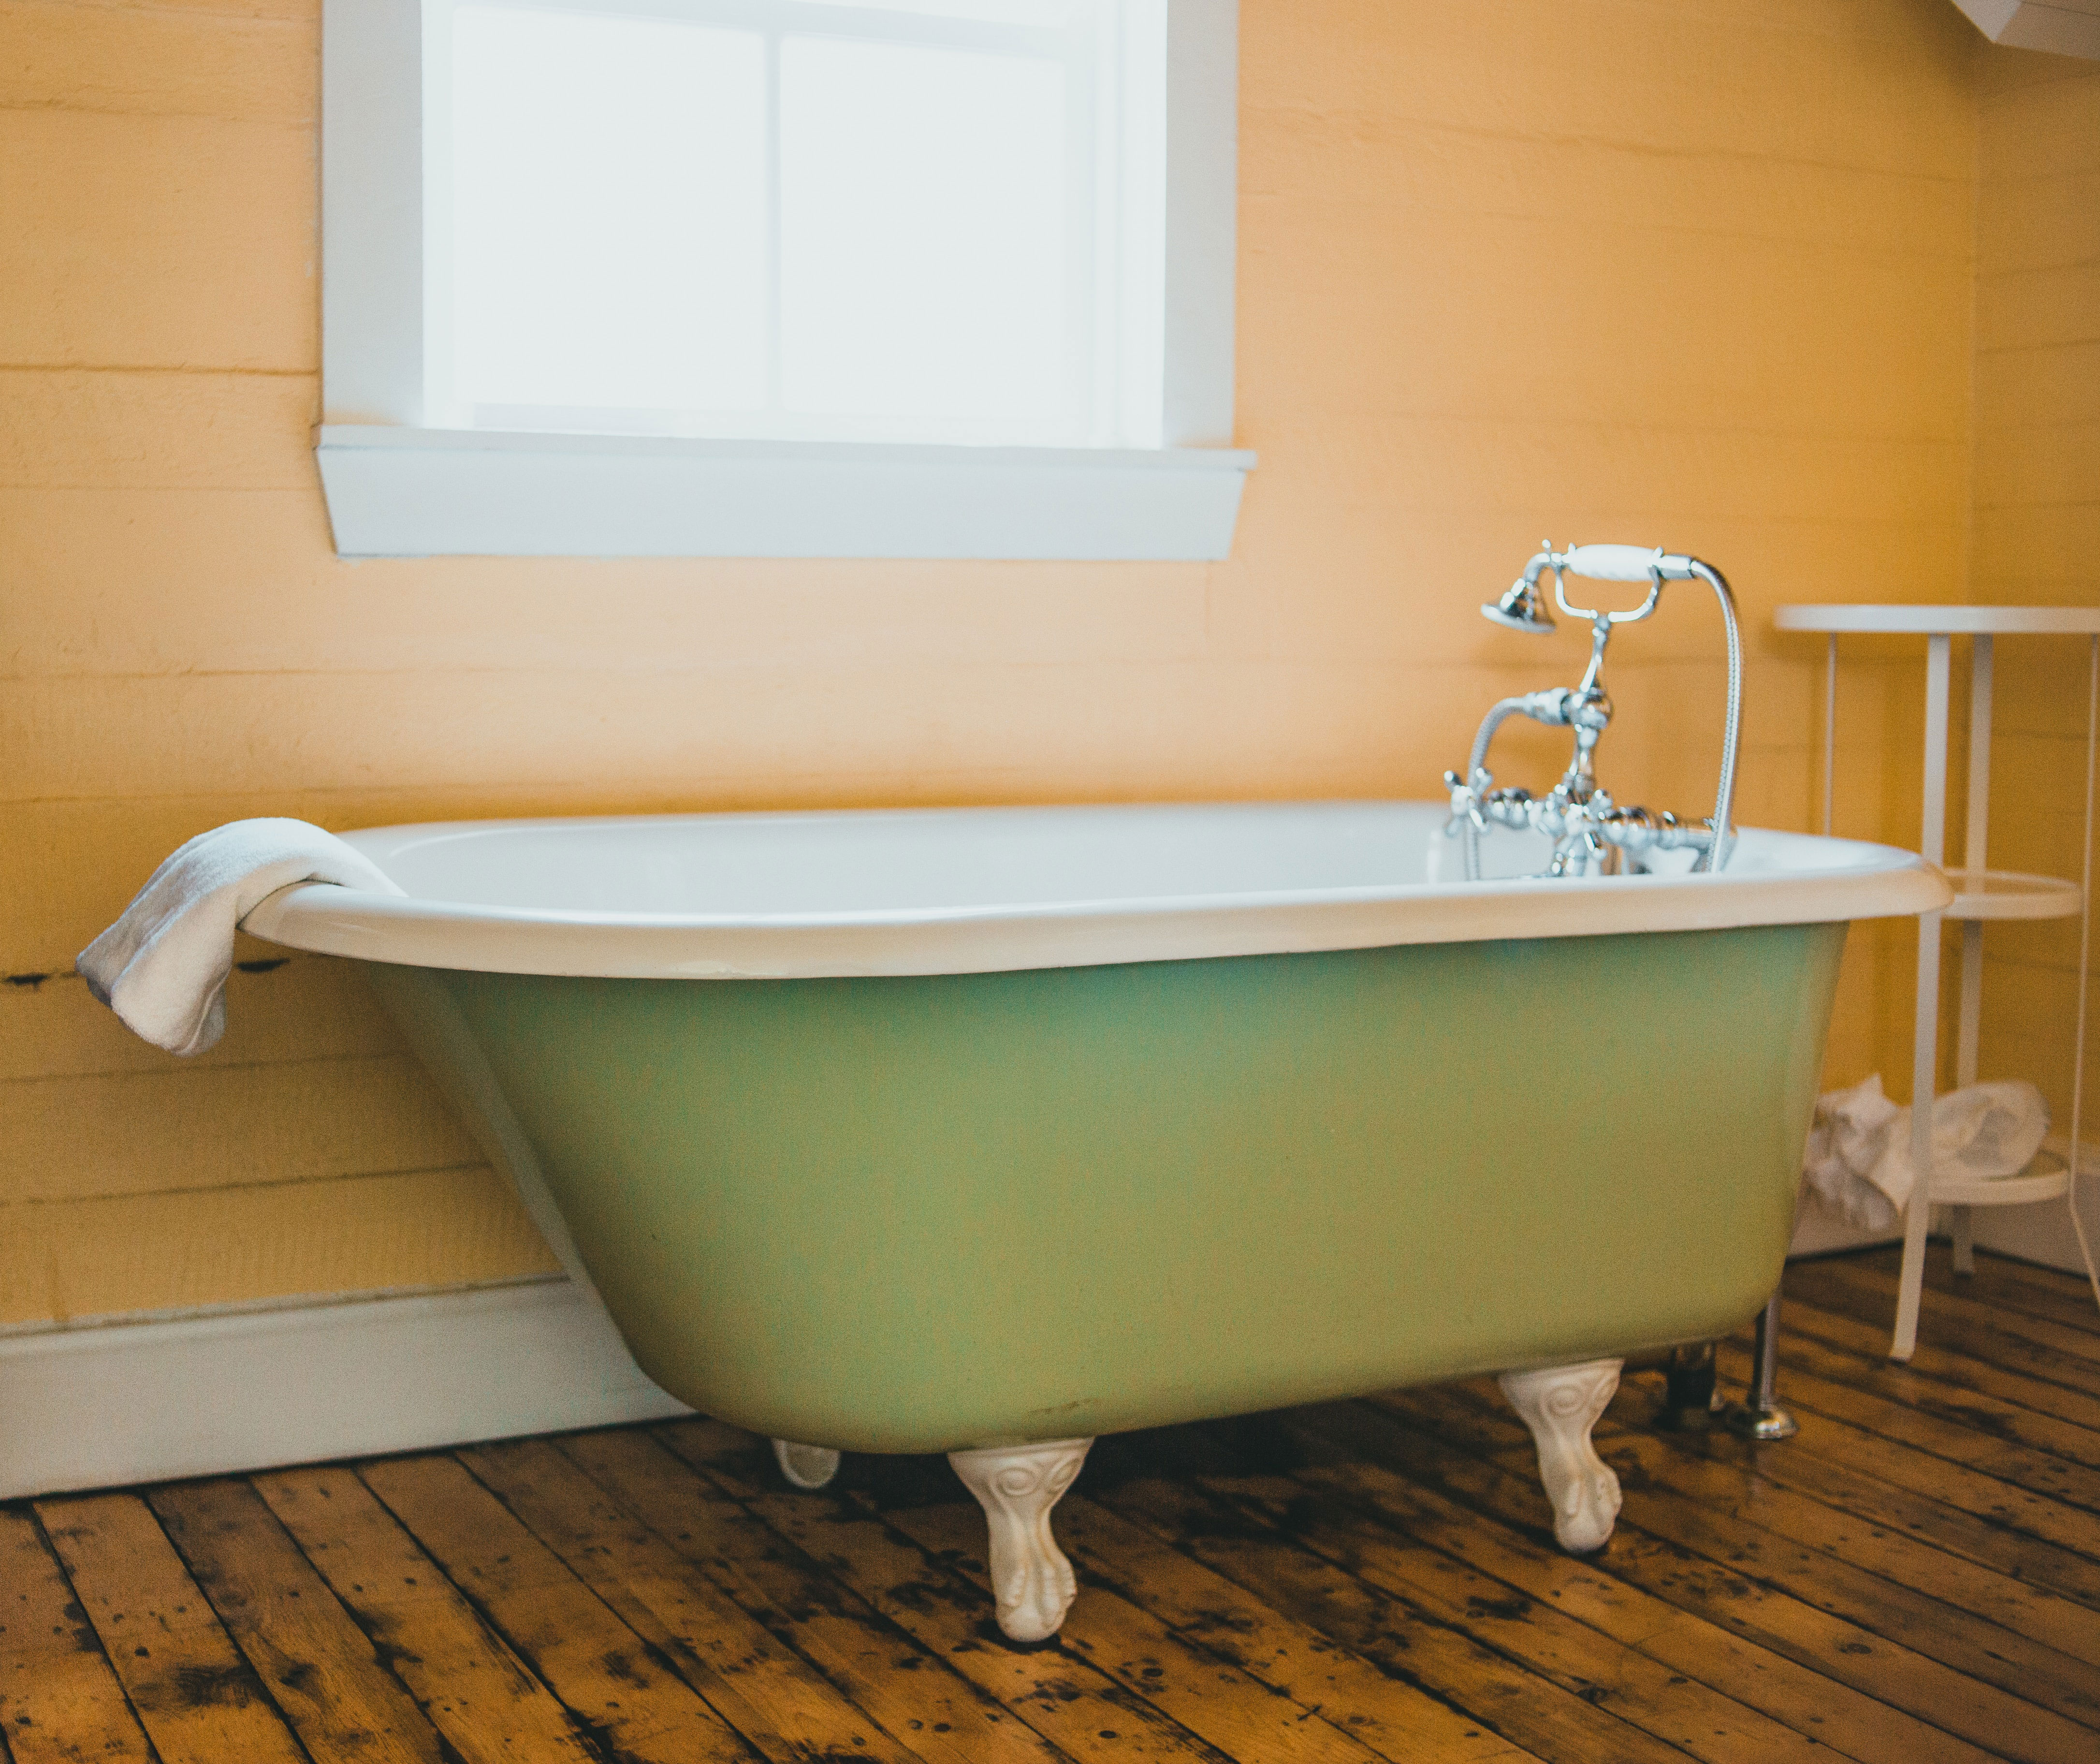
x: 988, y: 1131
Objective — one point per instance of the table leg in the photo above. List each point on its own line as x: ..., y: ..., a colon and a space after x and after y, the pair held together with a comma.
x: 2077, y: 1145
x: 1960, y: 1225
x: 1925, y: 1053
x: 1830, y: 735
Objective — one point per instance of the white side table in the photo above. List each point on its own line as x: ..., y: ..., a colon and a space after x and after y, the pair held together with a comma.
x: 1980, y: 893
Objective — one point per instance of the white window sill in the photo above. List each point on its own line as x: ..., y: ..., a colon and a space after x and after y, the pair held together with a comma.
x: 401, y: 492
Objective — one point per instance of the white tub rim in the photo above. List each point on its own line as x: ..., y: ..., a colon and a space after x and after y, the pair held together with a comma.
x: 1855, y: 880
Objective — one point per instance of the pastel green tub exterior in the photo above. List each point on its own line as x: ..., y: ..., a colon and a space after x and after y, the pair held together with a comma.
x: 921, y: 1213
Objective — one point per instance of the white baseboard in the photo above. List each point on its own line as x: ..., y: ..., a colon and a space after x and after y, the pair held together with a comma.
x: 113, y: 1403
x: 1821, y: 1231
x: 2040, y: 1233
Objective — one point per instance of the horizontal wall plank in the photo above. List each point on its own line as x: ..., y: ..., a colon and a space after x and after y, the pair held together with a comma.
x: 1870, y: 1026
x: 307, y: 10
x: 163, y: 242
x: 426, y: 1228
x: 66, y: 428
x: 163, y: 60
x: 222, y: 1127
x: 2039, y: 697
x: 1504, y: 70
x: 166, y: 431
x: 2040, y: 462
x: 2037, y: 554
x: 782, y: 736
x: 1411, y: 573
x: 2047, y: 128
x: 1473, y: 467
x: 2020, y: 308
x: 167, y: 581
x: 1768, y: 557
x: 2005, y: 76
x: 2041, y: 223
x: 1703, y: 330
x: 1396, y: 162
x: 1892, y: 25
x: 310, y: 1008
x: 2054, y: 384
x: 568, y: 730
x: 2022, y: 1007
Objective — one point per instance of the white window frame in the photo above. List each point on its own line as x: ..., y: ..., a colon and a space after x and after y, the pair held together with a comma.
x: 396, y: 487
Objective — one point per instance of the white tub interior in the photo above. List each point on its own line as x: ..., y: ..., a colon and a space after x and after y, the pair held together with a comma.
x: 971, y: 891
x: 863, y: 861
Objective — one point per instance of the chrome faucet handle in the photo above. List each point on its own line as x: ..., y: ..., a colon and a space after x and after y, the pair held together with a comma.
x: 1618, y: 562
x: 1512, y: 807
x: 1585, y: 826
x: 1637, y: 830
x: 1475, y: 805
x: 1464, y: 802
x: 1628, y: 563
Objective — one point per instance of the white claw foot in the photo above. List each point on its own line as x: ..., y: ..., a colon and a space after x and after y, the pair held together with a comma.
x: 1017, y: 1486
x: 1560, y: 1405
x: 807, y: 1467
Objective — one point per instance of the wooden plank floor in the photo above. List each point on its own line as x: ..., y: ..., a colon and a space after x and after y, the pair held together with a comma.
x: 1916, y: 1578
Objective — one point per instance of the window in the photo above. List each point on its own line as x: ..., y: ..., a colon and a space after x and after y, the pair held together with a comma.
x: 926, y: 221
x: 779, y: 277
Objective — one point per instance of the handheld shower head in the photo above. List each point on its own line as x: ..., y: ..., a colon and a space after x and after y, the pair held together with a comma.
x: 1523, y: 609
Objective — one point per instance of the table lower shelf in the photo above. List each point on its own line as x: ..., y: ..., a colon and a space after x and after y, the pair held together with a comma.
x: 2034, y: 1183
x: 2046, y: 1177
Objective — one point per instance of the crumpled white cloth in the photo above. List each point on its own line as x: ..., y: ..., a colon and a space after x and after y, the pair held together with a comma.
x: 162, y: 966
x: 1859, y: 1149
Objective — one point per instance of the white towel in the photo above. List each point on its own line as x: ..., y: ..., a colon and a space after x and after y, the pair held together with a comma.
x: 1859, y: 1149
x: 162, y: 966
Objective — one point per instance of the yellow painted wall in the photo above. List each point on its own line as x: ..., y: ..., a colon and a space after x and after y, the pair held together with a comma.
x: 1697, y: 272
x: 2037, y: 531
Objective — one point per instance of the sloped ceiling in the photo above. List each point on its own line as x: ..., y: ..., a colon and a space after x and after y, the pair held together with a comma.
x: 2064, y: 26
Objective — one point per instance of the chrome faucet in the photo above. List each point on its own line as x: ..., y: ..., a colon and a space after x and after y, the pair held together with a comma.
x: 1589, y: 831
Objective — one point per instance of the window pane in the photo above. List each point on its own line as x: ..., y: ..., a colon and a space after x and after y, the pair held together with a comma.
x: 924, y: 233
x: 609, y: 211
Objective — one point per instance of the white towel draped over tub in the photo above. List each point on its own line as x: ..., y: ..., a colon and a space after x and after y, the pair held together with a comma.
x: 162, y: 966
x: 1859, y: 1150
